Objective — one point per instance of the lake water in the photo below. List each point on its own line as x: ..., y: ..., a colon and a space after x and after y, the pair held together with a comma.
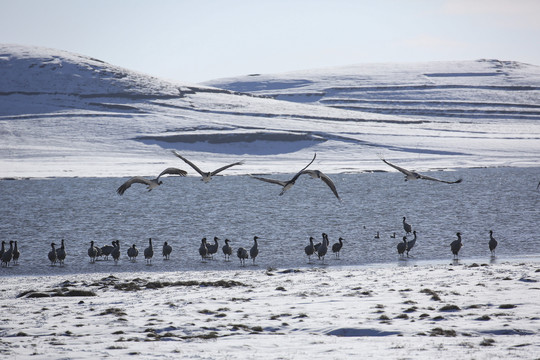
x: 183, y: 210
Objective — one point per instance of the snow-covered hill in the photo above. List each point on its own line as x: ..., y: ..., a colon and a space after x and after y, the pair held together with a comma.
x: 63, y: 114
x: 458, y: 90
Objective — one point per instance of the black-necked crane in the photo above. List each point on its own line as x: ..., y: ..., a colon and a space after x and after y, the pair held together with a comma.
x: 227, y: 250
x: 150, y: 183
x: 310, y: 249
x: 149, y: 252
x: 61, y: 252
x: 402, y: 246
x: 107, y: 249
x: 16, y: 253
x: 167, y: 249
x: 93, y: 252
x: 206, y: 176
x: 133, y: 252
x: 254, y: 251
x: 213, y: 248
x: 7, y: 255
x: 242, y: 255
x: 336, y: 248
x: 323, y: 248
x: 412, y: 175
x: 115, y: 253
x: 492, y: 243
x: 203, y: 250
x: 52, y: 254
x: 410, y: 244
x: 456, y: 245
x: 406, y: 226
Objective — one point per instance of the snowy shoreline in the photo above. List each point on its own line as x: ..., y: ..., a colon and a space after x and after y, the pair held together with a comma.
x: 479, y: 310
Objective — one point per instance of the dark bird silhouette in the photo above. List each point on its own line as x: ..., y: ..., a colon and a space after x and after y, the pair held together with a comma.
x: 412, y: 175
x: 115, y: 253
x: 52, y: 254
x: 407, y: 227
x: 107, y: 249
x: 377, y: 236
x: 7, y: 255
x: 336, y: 248
x: 492, y: 243
x: 242, y: 255
x: 227, y: 250
x: 149, y: 252
x: 151, y: 184
x: 16, y: 254
x: 212, y: 248
x: 323, y: 248
x: 402, y: 246
x: 310, y: 249
x: 61, y: 253
x: 393, y: 236
x: 133, y: 252
x: 93, y: 252
x: 2, y: 250
x: 286, y: 185
x: 254, y: 251
x: 167, y: 249
x: 203, y: 250
x: 410, y: 244
x: 316, y: 174
x: 206, y: 176
x: 456, y: 245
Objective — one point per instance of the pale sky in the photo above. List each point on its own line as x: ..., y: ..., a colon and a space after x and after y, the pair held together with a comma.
x: 196, y: 40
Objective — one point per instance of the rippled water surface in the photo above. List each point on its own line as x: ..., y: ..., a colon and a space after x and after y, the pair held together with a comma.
x: 183, y: 210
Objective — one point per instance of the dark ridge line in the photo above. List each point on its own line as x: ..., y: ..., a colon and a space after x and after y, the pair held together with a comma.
x: 53, y: 115
x: 442, y: 113
x: 434, y: 87
x: 293, y: 116
x: 428, y: 102
x: 116, y: 106
x: 445, y: 110
x: 325, y: 91
x: 464, y: 74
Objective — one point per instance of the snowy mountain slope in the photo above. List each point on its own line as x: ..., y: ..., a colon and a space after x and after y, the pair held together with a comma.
x: 63, y: 114
x: 483, y: 89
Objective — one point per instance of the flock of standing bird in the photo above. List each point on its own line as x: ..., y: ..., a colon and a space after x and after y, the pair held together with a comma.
x: 208, y: 250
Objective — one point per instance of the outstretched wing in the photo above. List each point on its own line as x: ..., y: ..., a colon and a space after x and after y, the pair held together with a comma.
x: 133, y: 180
x: 225, y: 167
x: 301, y: 171
x: 400, y: 169
x: 319, y: 174
x: 271, y: 181
x: 424, y: 177
x: 172, y: 171
x: 189, y: 163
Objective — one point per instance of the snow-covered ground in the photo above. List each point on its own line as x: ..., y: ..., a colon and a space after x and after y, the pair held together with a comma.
x: 478, y: 311
x: 63, y: 114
